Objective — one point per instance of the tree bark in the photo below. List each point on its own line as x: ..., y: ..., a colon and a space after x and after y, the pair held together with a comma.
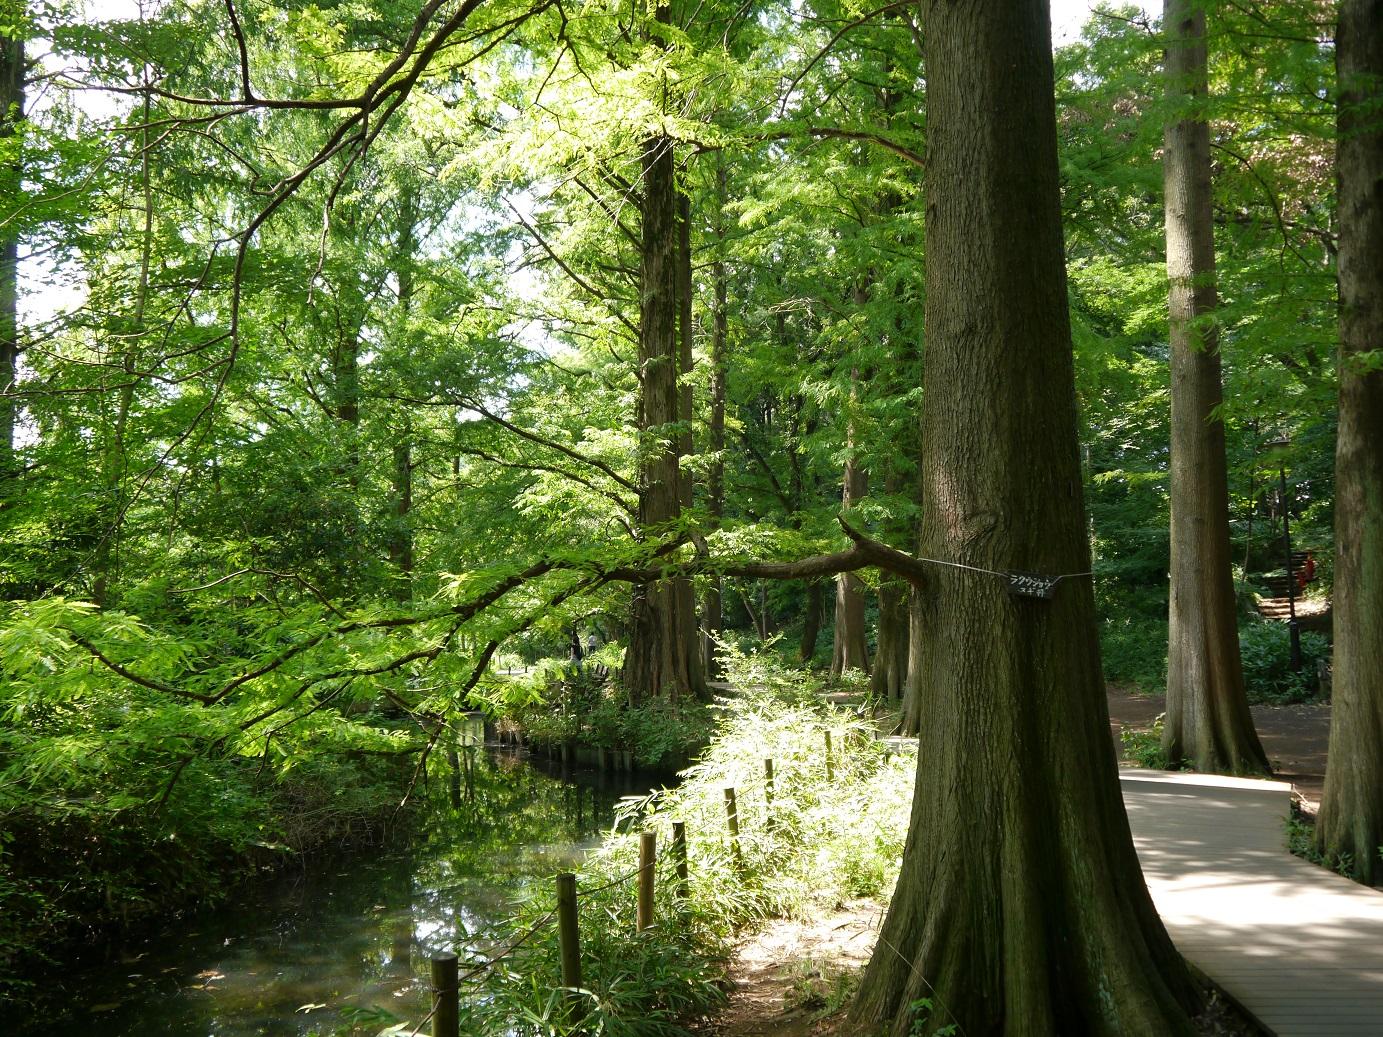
x: 850, y: 650
x: 1351, y: 819
x: 1208, y: 721
x: 662, y: 659
x: 11, y: 114
x: 910, y: 719
x: 891, y: 653
x: 1019, y: 907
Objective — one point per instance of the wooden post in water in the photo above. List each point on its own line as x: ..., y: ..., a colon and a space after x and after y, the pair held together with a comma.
x: 732, y: 823
x: 445, y: 996
x: 830, y: 763
x: 679, y: 857
x: 648, y: 853
x: 569, y: 941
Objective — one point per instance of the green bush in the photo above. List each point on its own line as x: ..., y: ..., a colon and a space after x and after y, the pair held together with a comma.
x: 1133, y: 648
x: 1144, y: 747
x: 1265, y: 648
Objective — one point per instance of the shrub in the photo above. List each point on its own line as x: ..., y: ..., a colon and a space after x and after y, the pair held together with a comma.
x: 1144, y: 747
x: 1265, y: 648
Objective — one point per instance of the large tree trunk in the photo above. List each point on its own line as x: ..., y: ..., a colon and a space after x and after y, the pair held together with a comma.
x: 1208, y: 721
x: 662, y: 658
x: 11, y: 113
x: 1019, y: 907
x: 1351, y: 819
x: 712, y: 604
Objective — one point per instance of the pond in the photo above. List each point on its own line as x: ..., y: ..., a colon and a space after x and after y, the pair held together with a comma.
x: 343, y: 948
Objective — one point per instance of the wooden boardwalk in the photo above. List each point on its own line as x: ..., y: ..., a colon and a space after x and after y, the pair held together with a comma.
x: 1300, y: 948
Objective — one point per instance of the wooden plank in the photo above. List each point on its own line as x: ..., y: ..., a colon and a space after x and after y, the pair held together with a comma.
x: 1299, y: 947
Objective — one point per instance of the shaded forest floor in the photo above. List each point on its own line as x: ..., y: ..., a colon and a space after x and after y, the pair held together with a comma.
x: 793, y: 978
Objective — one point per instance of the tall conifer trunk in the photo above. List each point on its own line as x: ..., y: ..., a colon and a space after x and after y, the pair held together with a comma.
x: 1351, y: 819
x: 1019, y: 909
x: 1208, y: 721
x: 662, y: 659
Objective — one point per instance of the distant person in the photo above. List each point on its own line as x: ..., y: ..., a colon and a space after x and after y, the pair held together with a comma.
x: 1307, y: 573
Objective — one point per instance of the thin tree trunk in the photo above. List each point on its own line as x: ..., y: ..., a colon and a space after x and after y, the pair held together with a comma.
x: 891, y: 653
x: 850, y: 648
x: 114, y: 462
x: 1019, y: 908
x: 913, y: 682
x: 11, y: 114
x: 1208, y: 721
x: 1351, y: 819
x: 401, y: 534
x: 811, y: 620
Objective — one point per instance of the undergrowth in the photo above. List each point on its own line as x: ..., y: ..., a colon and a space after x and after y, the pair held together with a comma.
x: 812, y: 840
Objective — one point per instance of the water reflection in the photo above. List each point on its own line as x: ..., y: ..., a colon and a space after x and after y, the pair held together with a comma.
x: 343, y: 950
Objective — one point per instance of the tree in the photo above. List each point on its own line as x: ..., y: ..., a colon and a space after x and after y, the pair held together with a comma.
x: 11, y: 140
x: 1351, y: 819
x: 1019, y: 907
x: 1208, y: 720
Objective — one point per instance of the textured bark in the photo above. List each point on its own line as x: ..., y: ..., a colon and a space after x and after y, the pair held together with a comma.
x: 1019, y: 907
x: 663, y: 658
x: 11, y: 112
x: 1208, y: 721
x: 911, y: 716
x: 889, y: 678
x: 891, y: 653
x: 850, y: 646
x: 1351, y: 819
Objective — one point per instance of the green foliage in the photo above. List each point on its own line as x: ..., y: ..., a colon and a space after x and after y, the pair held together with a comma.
x: 1301, y: 840
x: 923, y: 1011
x: 820, y: 842
x: 756, y: 668
x: 1266, y: 650
x: 1133, y: 636
x: 1144, y: 746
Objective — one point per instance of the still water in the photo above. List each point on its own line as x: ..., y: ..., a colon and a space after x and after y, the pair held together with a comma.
x: 343, y: 948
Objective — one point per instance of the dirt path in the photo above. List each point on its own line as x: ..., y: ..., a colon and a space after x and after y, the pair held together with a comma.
x: 785, y: 975
x: 1294, y: 737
